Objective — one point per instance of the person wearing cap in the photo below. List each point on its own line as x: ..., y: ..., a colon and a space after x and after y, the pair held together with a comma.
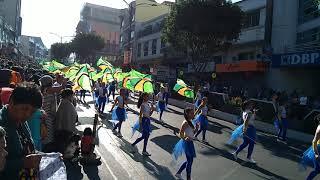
x: 50, y: 107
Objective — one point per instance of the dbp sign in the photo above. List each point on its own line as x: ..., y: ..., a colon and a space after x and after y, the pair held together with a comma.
x: 296, y: 59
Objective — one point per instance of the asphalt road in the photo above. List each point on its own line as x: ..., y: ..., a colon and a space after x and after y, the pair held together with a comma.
x: 213, y: 162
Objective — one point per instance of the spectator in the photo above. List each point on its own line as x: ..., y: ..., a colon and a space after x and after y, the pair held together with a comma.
x: 35, y: 123
x: 66, y: 116
x: 3, y: 152
x: 25, y: 99
x: 50, y: 107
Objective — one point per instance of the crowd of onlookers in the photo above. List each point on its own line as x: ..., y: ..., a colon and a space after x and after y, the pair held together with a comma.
x: 38, y: 115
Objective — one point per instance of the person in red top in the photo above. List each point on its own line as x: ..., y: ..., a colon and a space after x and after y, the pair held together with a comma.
x: 5, y: 94
x: 87, y: 148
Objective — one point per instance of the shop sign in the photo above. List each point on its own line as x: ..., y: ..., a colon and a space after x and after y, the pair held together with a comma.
x: 296, y: 59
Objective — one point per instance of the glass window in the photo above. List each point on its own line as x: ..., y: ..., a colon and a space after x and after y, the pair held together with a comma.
x: 251, y: 19
x: 163, y: 45
x: 309, y: 36
x: 139, y: 50
x: 145, y: 48
x: 246, y: 56
x: 154, y: 46
x: 308, y: 10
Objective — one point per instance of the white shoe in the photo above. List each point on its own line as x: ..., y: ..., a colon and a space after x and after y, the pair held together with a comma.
x: 251, y: 161
x: 235, y: 156
x: 146, y: 153
x: 178, y: 176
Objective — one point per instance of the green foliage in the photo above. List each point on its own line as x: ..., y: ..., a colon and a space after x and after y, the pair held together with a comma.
x: 60, y: 51
x: 85, y: 45
x: 202, y: 27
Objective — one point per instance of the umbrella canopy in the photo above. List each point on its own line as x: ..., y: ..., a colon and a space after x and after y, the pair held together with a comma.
x: 103, y: 64
x: 182, y: 89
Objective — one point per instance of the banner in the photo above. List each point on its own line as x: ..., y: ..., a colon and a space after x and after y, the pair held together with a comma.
x: 302, y: 59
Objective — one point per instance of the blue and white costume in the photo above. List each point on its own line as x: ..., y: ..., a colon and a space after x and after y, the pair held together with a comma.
x: 249, y: 137
x: 119, y: 112
x: 146, y: 125
x: 187, y: 148
x: 161, y: 105
x: 198, y: 100
x: 203, y: 120
x: 309, y: 158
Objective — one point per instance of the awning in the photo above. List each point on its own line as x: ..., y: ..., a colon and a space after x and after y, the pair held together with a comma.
x: 242, y: 66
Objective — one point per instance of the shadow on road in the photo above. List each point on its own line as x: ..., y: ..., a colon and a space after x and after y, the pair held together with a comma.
x: 157, y: 171
x: 226, y: 154
x: 292, y: 150
x: 175, y: 111
x: 73, y: 171
x: 166, y: 142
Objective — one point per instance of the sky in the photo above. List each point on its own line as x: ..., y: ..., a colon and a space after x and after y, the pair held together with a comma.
x: 44, y: 18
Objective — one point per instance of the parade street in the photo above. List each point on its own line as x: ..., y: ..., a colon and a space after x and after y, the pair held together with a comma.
x: 274, y: 160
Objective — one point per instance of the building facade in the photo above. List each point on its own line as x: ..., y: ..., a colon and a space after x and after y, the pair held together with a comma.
x: 296, y: 46
x: 33, y: 48
x: 10, y: 11
x: 105, y: 22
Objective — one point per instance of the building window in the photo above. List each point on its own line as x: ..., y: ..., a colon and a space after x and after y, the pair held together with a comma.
x: 145, y: 48
x: 308, y: 10
x: 139, y: 50
x: 309, y: 36
x: 252, y: 19
x: 246, y: 56
x: 163, y: 46
x: 154, y: 46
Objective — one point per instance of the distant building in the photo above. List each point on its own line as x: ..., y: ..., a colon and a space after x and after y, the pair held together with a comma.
x: 33, y: 47
x: 105, y: 22
x: 10, y: 10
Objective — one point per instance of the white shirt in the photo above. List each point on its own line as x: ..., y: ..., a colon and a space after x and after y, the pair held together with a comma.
x: 188, y: 131
x: 120, y: 101
x: 160, y: 96
x: 283, y: 112
x: 204, y: 111
x: 101, y: 92
x: 303, y: 100
x: 251, y: 118
x: 145, y: 109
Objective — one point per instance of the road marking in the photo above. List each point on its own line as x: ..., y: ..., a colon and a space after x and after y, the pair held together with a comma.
x: 105, y: 162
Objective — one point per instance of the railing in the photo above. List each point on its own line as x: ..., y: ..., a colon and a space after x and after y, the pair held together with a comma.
x: 310, y: 46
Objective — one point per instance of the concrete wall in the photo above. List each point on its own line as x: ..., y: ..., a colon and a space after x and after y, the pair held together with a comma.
x: 146, y: 12
x: 10, y: 10
x: 284, y: 27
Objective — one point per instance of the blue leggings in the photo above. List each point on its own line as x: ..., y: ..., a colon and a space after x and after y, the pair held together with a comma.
x: 145, y: 136
x: 248, y: 139
x: 101, y: 103
x: 316, y: 170
x: 186, y: 165
x: 283, y: 126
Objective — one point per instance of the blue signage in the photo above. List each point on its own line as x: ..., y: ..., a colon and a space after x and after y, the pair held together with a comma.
x: 296, y: 59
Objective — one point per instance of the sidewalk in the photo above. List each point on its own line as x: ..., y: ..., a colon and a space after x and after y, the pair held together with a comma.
x: 261, y: 126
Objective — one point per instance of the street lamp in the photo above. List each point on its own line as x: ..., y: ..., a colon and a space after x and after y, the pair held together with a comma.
x: 59, y: 36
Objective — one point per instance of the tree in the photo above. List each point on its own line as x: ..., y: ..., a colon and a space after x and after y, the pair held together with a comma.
x: 60, y: 51
x: 85, y: 45
x: 202, y: 27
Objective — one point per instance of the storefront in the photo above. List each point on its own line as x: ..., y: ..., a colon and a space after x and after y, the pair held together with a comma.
x: 296, y: 71
x: 243, y: 74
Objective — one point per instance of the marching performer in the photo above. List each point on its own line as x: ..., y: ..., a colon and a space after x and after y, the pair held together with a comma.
x: 119, y: 112
x: 202, y: 119
x: 246, y: 130
x: 161, y: 106
x: 144, y: 122
x: 185, y: 144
